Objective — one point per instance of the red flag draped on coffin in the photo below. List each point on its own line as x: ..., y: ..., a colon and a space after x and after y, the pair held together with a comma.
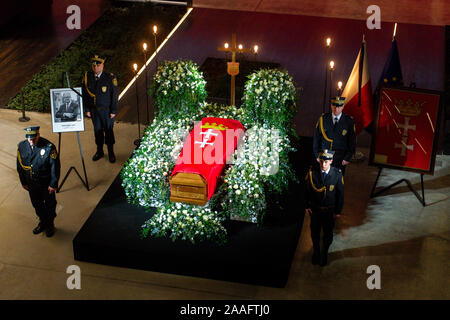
x: 206, y: 150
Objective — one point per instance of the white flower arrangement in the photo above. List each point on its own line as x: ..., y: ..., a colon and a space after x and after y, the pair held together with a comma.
x: 255, y: 160
x: 260, y: 163
x: 269, y: 98
x: 178, y: 88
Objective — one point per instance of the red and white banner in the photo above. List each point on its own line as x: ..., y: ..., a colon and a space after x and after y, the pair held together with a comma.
x: 406, y: 129
x: 208, y: 147
x: 360, y: 109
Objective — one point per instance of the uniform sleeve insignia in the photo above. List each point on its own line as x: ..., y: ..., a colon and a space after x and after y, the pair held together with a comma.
x: 344, y: 132
x: 42, y: 152
x: 114, y: 81
x: 53, y: 154
x: 331, y: 187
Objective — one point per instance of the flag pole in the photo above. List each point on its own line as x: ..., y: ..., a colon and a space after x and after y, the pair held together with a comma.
x: 395, y: 31
x: 360, y: 71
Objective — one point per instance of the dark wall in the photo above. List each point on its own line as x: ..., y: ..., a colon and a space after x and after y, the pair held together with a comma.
x: 297, y: 43
x: 10, y: 10
x: 447, y: 73
x: 22, y: 11
x: 447, y: 92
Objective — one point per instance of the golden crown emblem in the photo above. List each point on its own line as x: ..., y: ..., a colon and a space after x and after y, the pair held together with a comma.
x: 214, y: 126
x: 409, y: 108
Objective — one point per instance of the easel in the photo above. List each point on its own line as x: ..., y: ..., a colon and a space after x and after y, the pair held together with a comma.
x: 421, y: 199
x: 86, y: 184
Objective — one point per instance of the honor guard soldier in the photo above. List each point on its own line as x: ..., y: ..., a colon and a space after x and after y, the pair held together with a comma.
x: 100, y: 97
x: 324, y: 200
x: 336, y: 131
x: 39, y: 169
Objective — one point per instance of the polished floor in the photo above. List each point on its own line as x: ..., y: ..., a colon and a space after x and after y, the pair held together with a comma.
x: 409, y: 243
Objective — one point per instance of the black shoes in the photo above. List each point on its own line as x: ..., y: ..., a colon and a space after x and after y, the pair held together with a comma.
x: 315, y: 259
x: 324, y: 258
x: 40, y: 228
x: 320, y: 257
x: 49, y: 230
x: 111, y: 155
x: 98, y: 155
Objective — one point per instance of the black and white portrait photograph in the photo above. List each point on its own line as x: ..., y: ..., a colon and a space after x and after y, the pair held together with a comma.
x: 67, y: 110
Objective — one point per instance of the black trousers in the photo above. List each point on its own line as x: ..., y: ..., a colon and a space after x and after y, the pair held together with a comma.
x: 322, y: 220
x: 337, y: 160
x: 103, y: 127
x: 44, y: 203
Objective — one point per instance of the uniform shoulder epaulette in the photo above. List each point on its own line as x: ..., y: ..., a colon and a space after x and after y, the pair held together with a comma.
x: 114, y: 79
x: 307, y: 172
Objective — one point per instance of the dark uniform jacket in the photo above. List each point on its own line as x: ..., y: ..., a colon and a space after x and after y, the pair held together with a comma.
x: 324, y: 194
x: 342, y: 137
x: 101, y: 93
x: 39, y: 167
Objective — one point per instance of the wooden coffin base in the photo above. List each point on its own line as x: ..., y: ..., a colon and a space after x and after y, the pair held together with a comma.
x: 188, y: 188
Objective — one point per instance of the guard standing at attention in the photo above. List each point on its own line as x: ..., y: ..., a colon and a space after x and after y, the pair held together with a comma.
x: 335, y: 131
x: 324, y: 201
x: 39, y: 169
x: 100, y: 98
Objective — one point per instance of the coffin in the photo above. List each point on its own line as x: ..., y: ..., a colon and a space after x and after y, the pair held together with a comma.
x: 202, y: 160
x: 188, y: 188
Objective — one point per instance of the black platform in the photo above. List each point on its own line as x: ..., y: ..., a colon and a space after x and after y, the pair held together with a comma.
x: 256, y: 255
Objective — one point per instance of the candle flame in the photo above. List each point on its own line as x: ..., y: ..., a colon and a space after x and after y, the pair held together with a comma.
x: 331, y: 64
